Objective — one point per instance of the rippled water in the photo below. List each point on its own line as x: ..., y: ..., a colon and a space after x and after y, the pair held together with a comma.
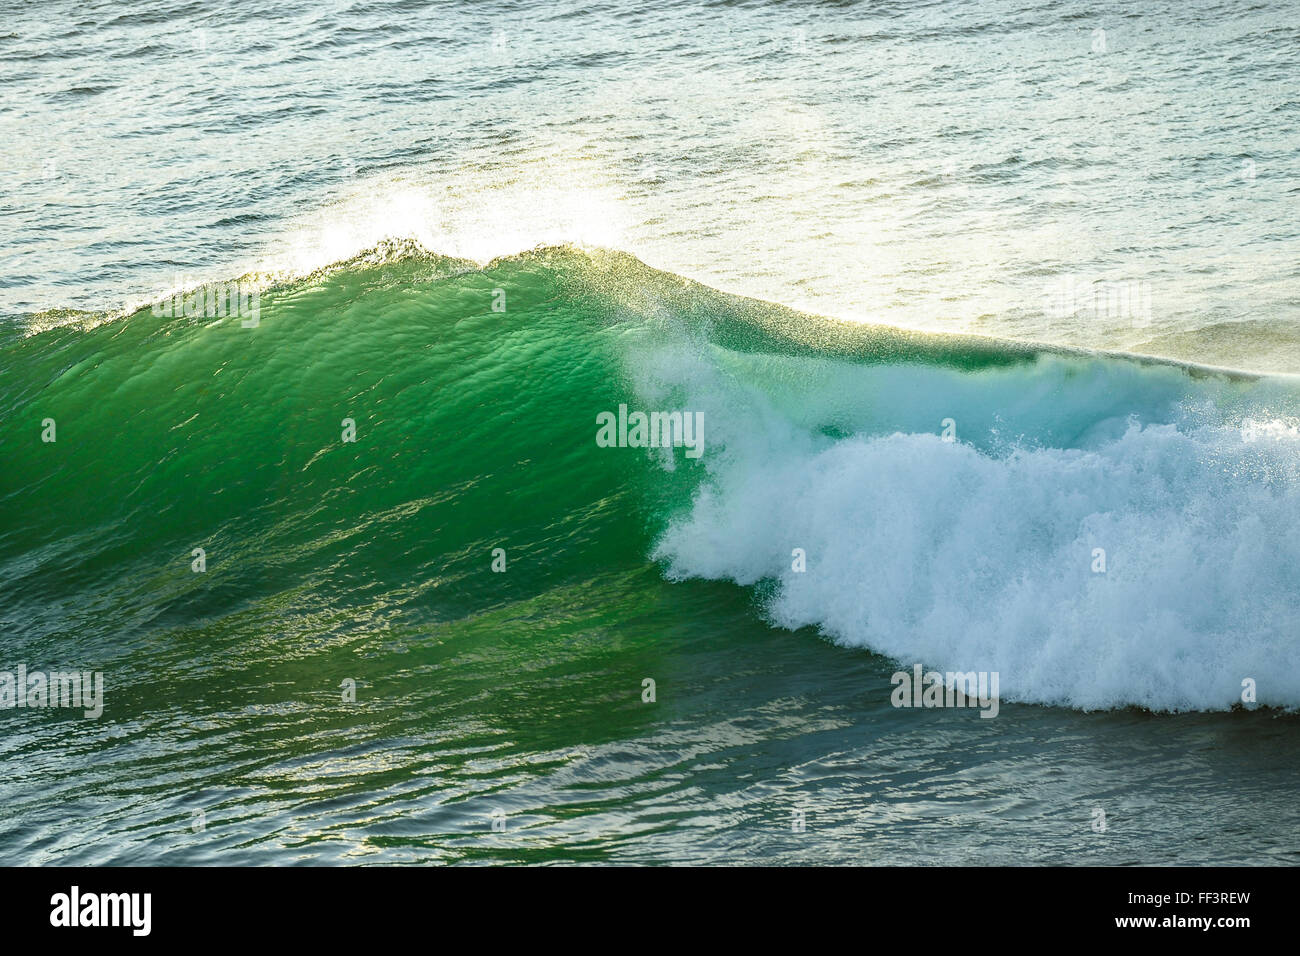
x: 934, y: 165
x: 1107, y: 175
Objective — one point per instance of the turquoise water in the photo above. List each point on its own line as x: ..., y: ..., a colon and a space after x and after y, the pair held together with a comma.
x: 467, y: 234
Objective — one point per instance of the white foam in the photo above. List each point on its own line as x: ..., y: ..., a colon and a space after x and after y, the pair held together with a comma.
x: 978, y: 555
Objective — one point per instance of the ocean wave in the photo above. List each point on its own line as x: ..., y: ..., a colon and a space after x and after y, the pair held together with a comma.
x: 952, y: 495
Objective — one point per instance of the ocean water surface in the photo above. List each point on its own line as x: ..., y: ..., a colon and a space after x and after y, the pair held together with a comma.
x: 987, y: 313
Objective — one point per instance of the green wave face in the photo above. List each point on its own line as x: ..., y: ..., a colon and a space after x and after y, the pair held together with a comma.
x: 474, y: 430
x: 475, y: 395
